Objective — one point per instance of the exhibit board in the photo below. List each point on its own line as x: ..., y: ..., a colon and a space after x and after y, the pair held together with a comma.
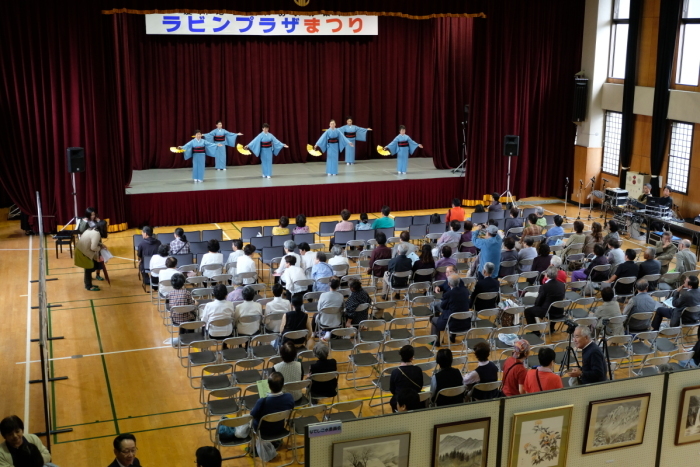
x: 670, y: 453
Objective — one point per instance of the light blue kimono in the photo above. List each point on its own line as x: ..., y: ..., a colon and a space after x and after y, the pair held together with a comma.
x: 332, y: 150
x: 318, y: 271
x: 402, y: 152
x: 198, y: 159
x: 229, y: 139
x: 360, y: 135
x: 265, y: 154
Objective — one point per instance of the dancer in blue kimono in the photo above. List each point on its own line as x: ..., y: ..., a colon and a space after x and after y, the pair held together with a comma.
x: 332, y: 141
x: 402, y: 146
x: 219, y: 135
x: 264, y: 146
x: 353, y: 133
x: 197, y: 149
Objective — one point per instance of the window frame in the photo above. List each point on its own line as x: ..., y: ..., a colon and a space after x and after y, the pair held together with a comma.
x: 681, y: 44
x: 690, y: 156
x: 605, y: 142
x: 613, y: 35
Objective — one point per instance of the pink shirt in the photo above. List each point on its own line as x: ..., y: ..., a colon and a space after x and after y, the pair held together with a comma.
x: 344, y: 226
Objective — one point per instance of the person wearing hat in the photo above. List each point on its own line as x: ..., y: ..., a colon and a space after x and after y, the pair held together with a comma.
x: 514, y: 370
x: 647, y: 193
x: 490, y: 247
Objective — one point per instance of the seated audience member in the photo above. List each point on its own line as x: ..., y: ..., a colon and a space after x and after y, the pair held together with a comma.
x: 527, y: 252
x: 158, y: 262
x: 445, y: 377
x: 531, y: 229
x: 593, y: 365
x: 552, y: 291
x: 452, y: 235
x: 320, y: 270
x: 490, y: 248
x: 301, y: 227
x: 400, y: 263
x: 125, y: 451
x: 234, y: 255
x: 508, y: 254
x: 167, y: 274
x: 425, y: 261
x: 466, y: 237
x: 20, y: 448
x: 344, y: 225
x: 180, y: 245
x: 308, y: 257
x: 330, y: 299
x: 665, y: 250
x: 246, y: 263
x: 208, y: 456
x: 613, y: 229
x: 685, y: 259
x: 289, y: 247
x: 180, y: 296
x: 406, y: 377
x: 357, y: 297
x: 445, y: 286
x: 384, y: 222
x: 297, y: 320
x: 381, y: 251
x: 479, y: 208
x: 628, y: 268
x: 615, y: 254
x: 290, y: 367
x: 455, y: 300
x: 236, y: 295
x: 276, y: 401
x: 543, y: 377
x: 513, y: 222
x: 514, y: 369
x: 555, y: 262
x: 405, y: 239
x: 443, y: 262
x: 555, y: 231
x: 541, y: 221
x: 608, y: 309
x: 588, y: 273
x: 456, y: 212
x: 292, y: 274
x: 578, y: 238
x: 487, y: 283
x: 213, y: 257
x: 542, y: 261
x: 596, y: 236
x: 640, y: 303
x: 323, y: 364
x: 338, y: 258
x: 148, y: 247
x: 649, y: 266
x: 364, y: 223
x: 495, y: 202
x: 278, y: 304
x: 219, y: 308
x: 685, y: 296
x: 485, y: 372
x: 248, y: 308
x: 282, y: 228
x: 406, y: 399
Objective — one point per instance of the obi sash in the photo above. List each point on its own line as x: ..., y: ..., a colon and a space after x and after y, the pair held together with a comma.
x: 219, y: 138
x: 403, y: 144
x: 332, y: 140
x: 198, y: 149
x: 266, y: 144
x: 349, y: 135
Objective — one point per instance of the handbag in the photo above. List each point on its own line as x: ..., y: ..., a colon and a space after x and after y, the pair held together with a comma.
x: 82, y: 261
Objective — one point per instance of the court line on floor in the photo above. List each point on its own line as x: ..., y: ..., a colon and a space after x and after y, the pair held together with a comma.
x: 99, y: 353
x: 104, y: 367
x: 226, y: 237
x: 29, y: 337
x: 234, y: 226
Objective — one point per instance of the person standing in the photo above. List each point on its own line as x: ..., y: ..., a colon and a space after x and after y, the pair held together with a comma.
x: 264, y: 146
x: 221, y: 137
x: 332, y: 141
x: 89, y: 245
x: 593, y: 366
x: 402, y: 146
x: 353, y: 133
x: 87, y: 222
x: 196, y: 150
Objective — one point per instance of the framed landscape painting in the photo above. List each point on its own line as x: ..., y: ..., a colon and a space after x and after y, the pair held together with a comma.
x: 616, y: 423
x: 540, y: 438
x: 461, y: 444
x: 382, y: 451
x: 688, y: 428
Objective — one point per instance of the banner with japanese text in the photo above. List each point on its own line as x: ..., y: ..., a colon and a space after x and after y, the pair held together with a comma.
x: 271, y: 25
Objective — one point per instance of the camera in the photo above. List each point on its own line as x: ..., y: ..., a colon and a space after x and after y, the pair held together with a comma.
x: 570, y: 326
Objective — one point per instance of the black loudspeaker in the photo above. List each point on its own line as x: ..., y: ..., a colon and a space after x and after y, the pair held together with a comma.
x: 75, y: 160
x: 580, y: 99
x: 511, y: 145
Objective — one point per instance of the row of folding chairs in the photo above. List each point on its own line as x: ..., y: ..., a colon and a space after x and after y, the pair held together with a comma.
x: 194, y: 237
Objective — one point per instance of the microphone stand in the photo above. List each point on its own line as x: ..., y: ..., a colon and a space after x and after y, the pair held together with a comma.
x: 566, y: 195
x: 580, y: 189
x: 590, y: 205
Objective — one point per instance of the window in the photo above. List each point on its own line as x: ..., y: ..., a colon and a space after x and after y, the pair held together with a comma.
x: 611, y: 142
x: 679, y: 156
x: 618, y: 39
x: 688, y: 66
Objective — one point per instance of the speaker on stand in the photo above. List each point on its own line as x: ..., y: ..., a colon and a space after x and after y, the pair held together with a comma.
x: 511, y: 148
x: 75, y: 163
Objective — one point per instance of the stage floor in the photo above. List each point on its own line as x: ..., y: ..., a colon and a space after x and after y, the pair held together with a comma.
x: 250, y: 176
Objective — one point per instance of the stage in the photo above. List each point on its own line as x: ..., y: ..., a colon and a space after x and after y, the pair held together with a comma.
x: 161, y: 197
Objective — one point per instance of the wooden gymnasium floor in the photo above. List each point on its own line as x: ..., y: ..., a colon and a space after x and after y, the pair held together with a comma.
x: 122, y: 378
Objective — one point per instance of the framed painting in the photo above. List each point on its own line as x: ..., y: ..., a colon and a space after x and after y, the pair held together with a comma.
x: 461, y: 444
x: 382, y: 451
x: 616, y: 423
x: 688, y: 427
x: 540, y: 438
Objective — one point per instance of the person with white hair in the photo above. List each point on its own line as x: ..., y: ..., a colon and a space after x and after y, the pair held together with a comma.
x: 556, y: 262
x: 289, y: 247
x: 338, y: 258
x: 685, y: 259
x: 551, y: 291
x: 454, y: 300
x: 541, y: 220
x: 593, y: 366
x: 400, y: 263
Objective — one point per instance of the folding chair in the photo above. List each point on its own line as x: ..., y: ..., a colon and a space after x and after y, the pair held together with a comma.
x: 509, y: 283
x: 364, y: 355
x: 459, y: 320
x: 378, y: 265
x: 240, y: 420
x: 344, y: 411
x: 271, y: 323
x: 624, y: 281
x: 485, y: 319
x: 281, y: 435
x: 245, y: 372
x: 667, y: 340
x: 279, y: 240
x: 261, y: 346
x: 581, y: 308
x: 236, y: 349
x: 345, y: 341
x: 330, y: 314
x: 619, y: 349
x: 528, y: 333
x: 476, y: 336
x: 451, y: 393
x: 298, y: 386
x: 650, y: 366
x: 214, y: 377
x: 424, y: 347
x: 401, y: 328
x: 690, y: 325
x: 489, y: 389
x: 497, y: 344
x: 250, y: 397
x: 682, y: 361
x: 300, y: 419
x: 419, y: 308
x: 561, y: 305
x: 384, y: 311
x: 641, y: 317
x: 382, y: 383
x: 323, y: 378
x: 374, y: 330
x: 573, y: 290
x: 389, y: 355
x: 202, y: 357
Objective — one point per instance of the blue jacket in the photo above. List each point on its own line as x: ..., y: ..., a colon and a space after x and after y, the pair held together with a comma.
x: 594, y: 368
x: 490, y: 252
x: 268, y: 405
x: 454, y: 301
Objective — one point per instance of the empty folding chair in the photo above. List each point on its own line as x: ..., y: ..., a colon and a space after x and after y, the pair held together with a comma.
x: 401, y: 328
x: 236, y: 349
x: 573, y: 290
x: 300, y: 419
x: 280, y: 240
x: 248, y: 371
x: 486, y: 319
x: 250, y: 397
x: 344, y: 411
x: 364, y: 355
x: 219, y: 376
x: 509, y: 283
x: 458, y: 324
x: 667, y: 340
x: 650, y: 366
x: 297, y: 387
x: 682, y: 361
x: 688, y: 324
x: 281, y: 434
x: 233, y: 423
x: 619, y: 349
x: 262, y: 346
x: 559, y: 311
x: 384, y: 310
x: 200, y: 353
x: 260, y: 243
x: 419, y: 308
x: 372, y: 330
x: 424, y: 347
x: 250, y: 232
x: 581, y: 308
x: 533, y: 332
x: 476, y: 336
x: 215, y: 234
x: 344, y: 342
x: 382, y: 383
